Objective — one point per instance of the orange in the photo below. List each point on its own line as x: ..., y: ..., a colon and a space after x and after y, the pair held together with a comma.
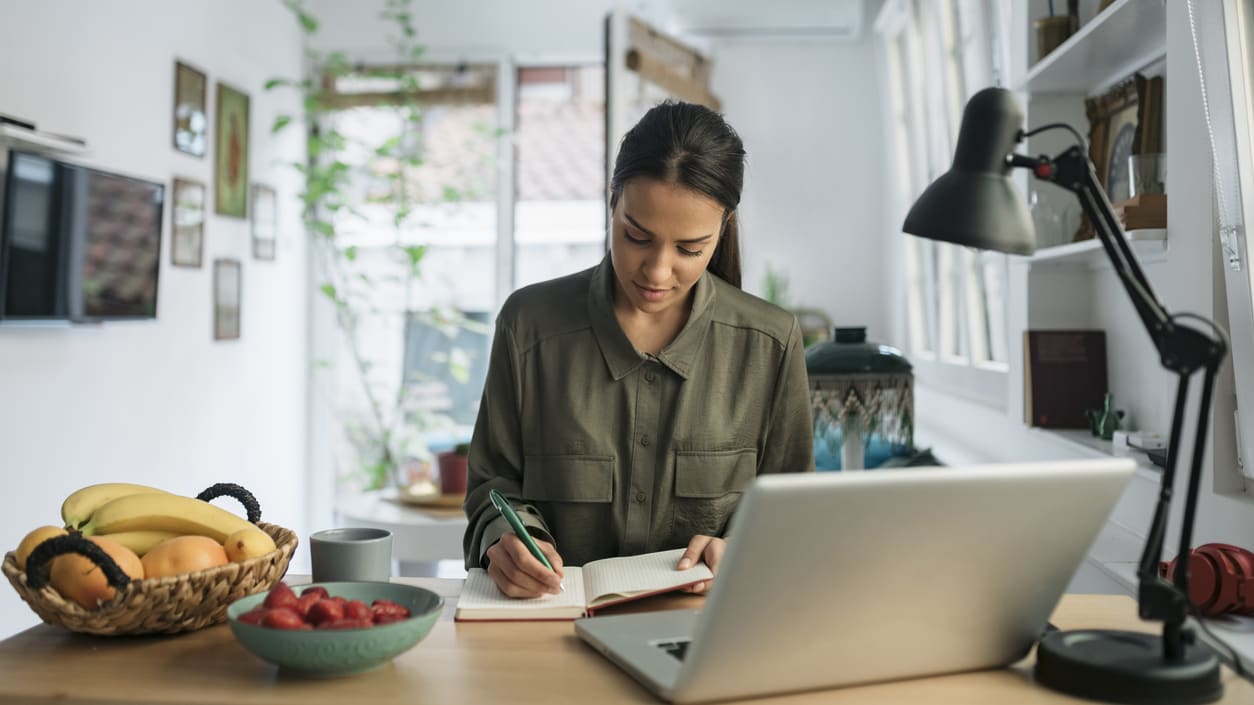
x: 80, y: 580
x: 183, y: 554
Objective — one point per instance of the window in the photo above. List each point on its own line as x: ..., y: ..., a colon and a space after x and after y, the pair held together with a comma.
x: 505, y: 187
x: 559, y: 208
x: 413, y: 359
x: 937, y: 54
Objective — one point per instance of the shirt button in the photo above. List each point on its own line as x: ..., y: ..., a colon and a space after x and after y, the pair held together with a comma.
x: 650, y: 377
x: 644, y: 440
x: 640, y: 497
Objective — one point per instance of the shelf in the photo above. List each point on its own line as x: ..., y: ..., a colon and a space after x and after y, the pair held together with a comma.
x: 20, y: 138
x: 1125, y: 38
x: 1147, y: 245
x: 1081, y: 443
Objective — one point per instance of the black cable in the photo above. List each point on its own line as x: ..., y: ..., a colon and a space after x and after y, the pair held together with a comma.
x: 1079, y: 139
x: 1237, y: 666
x: 1214, y: 327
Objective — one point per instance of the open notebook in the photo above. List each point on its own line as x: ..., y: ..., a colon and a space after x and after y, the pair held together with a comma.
x: 598, y: 584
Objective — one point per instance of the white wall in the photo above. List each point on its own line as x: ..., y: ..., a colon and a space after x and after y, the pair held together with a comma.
x: 809, y: 113
x: 157, y: 402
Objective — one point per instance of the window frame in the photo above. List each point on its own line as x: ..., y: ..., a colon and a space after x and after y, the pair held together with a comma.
x: 965, y: 366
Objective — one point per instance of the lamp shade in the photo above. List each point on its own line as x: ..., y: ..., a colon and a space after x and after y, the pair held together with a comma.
x: 974, y: 204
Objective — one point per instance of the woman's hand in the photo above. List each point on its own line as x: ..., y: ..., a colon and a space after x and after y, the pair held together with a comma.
x: 707, y: 548
x: 517, y: 573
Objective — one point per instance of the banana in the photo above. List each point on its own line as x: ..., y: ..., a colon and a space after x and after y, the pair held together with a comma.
x: 78, y: 507
x: 164, y: 512
x: 142, y: 541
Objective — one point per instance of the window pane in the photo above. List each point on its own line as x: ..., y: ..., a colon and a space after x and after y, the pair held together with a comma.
x: 559, y: 211
x: 994, y: 284
x: 976, y: 302
x: 416, y: 238
x: 921, y: 338
x: 949, y: 279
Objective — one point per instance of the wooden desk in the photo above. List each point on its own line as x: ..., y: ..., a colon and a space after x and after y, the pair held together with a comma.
x: 485, y: 663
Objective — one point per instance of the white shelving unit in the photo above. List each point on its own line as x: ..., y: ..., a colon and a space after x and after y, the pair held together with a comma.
x: 1125, y: 38
x: 20, y: 138
x: 1147, y: 245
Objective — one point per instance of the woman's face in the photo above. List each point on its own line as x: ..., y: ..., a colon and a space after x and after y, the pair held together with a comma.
x: 662, y: 237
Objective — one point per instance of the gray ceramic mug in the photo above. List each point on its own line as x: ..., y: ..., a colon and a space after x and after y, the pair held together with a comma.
x: 351, y: 554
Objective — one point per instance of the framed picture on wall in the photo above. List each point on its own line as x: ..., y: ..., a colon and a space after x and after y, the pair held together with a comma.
x: 191, y: 118
x: 265, y: 224
x: 187, y: 240
x: 226, y: 299
x: 230, y: 186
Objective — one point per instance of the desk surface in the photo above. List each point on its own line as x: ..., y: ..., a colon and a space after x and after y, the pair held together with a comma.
x: 519, y: 663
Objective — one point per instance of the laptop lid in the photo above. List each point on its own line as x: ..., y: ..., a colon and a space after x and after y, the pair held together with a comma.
x: 837, y: 579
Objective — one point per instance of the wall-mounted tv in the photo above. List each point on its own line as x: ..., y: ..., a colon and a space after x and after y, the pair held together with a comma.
x: 76, y: 243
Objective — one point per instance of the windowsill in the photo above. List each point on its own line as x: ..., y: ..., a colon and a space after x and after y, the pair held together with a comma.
x: 1085, y: 444
x: 983, y: 385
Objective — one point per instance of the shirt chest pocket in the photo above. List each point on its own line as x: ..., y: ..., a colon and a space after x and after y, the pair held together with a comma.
x: 708, y: 485
x: 714, y: 473
x: 568, y: 478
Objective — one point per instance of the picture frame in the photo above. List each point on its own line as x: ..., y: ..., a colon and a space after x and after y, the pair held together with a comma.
x: 187, y: 223
x: 231, y: 152
x: 264, y: 213
x: 191, y: 116
x: 1123, y: 121
x: 227, y: 289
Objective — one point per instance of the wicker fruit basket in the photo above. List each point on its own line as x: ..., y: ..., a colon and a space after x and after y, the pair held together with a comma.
x: 167, y: 605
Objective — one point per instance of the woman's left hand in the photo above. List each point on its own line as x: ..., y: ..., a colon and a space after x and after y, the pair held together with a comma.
x: 702, y: 548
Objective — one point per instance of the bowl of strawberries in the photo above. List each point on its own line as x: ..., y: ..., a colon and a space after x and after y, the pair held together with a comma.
x: 334, y: 629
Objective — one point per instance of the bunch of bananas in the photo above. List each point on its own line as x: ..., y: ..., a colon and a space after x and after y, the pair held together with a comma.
x: 141, y: 517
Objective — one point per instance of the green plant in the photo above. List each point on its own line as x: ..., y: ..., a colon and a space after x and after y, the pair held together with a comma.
x: 775, y: 287
x: 390, y: 428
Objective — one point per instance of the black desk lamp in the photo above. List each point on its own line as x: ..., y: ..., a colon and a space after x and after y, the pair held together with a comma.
x: 974, y: 204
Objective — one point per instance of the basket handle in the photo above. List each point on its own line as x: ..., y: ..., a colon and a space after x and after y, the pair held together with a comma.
x: 38, y: 564
x: 246, y: 498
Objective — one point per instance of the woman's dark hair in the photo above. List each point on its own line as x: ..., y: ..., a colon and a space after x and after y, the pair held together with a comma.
x: 693, y: 146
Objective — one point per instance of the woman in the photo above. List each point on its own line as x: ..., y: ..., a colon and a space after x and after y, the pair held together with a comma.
x: 628, y: 406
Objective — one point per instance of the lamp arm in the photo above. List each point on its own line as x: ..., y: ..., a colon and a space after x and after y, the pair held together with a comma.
x: 1073, y: 171
x: 1183, y: 350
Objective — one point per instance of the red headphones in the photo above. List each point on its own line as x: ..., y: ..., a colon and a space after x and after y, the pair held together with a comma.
x: 1221, y: 578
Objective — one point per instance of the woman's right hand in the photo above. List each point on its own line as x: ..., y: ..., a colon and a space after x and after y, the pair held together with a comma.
x: 517, y: 573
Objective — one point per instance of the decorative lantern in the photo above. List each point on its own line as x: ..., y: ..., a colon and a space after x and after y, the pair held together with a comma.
x: 861, y: 392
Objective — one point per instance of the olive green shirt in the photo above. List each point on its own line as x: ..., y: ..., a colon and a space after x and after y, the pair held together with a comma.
x: 606, y: 451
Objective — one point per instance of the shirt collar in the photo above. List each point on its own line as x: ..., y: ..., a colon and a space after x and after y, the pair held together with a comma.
x: 621, y: 357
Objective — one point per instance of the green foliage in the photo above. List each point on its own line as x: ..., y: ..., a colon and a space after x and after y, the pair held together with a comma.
x: 775, y: 288
x: 387, y: 433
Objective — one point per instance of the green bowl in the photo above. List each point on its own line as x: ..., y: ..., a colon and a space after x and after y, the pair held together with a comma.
x: 340, y: 652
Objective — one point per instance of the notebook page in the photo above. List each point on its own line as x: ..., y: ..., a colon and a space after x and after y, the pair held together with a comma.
x: 480, y: 592
x: 646, y: 573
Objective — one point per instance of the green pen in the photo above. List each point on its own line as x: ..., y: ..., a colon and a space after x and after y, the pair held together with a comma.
x: 507, y: 510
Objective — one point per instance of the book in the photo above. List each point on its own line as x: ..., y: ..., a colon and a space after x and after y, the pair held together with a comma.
x: 595, y: 585
x: 1064, y: 376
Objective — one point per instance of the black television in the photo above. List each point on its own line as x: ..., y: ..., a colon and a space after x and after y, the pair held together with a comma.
x: 76, y: 243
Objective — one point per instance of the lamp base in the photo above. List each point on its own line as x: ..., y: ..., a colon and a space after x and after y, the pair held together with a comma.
x: 1125, y: 667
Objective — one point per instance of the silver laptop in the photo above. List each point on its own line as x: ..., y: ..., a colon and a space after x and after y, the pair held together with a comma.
x: 845, y: 578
